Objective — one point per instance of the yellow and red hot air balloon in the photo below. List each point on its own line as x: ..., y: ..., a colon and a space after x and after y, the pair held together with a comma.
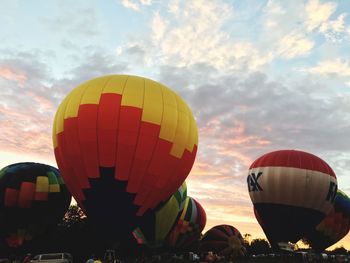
x: 292, y: 191
x: 123, y: 144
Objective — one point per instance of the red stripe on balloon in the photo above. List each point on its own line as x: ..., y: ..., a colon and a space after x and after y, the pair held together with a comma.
x: 129, y: 124
x: 107, y: 126
x: 87, y: 125
x: 73, y: 153
x: 41, y: 196
x: 64, y: 169
x: 26, y: 194
x: 160, y: 165
x: 293, y: 158
x: 11, y: 197
x: 147, y: 141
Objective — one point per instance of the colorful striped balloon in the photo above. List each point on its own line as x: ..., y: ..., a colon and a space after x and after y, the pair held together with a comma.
x: 153, y: 233
x: 292, y: 191
x: 189, y: 225
x: 334, y: 227
x: 124, y: 144
x: 33, y: 198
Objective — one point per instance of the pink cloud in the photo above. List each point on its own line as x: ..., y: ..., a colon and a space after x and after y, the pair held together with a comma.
x: 25, y: 131
x: 43, y: 104
x: 11, y: 74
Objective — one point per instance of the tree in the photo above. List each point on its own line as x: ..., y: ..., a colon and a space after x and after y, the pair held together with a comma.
x: 339, y: 251
x: 259, y: 246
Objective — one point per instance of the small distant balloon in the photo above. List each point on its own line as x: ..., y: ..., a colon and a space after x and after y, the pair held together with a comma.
x: 224, y: 240
x: 292, y: 191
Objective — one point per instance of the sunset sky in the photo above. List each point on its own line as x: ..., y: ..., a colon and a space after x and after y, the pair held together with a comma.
x: 258, y: 76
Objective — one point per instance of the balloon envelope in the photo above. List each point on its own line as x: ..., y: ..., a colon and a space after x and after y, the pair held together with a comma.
x: 189, y: 225
x: 292, y: 191
x: 152, y: 233
x: 224, y: 240
x: 334, y: 227
x: 124, y: 144
x: 33, y: 199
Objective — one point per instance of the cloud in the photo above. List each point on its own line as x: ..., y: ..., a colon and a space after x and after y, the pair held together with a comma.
x: 193, y: 33
x: 319, y: 18
x: 336, y: 67
x: 73, y: 20
x: 251, y: 115
x: 295, y: 45
x: 11, y: 74
x: 241, y: 117
x: 334, y: 30
x: 135, y: 5
x: 272, y: 10
x: 131, y: 5
x: 30, y: 96
x: 318, y: 13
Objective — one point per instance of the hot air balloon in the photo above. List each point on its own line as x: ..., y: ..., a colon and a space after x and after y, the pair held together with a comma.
x: 123, y: 144
x: 334, y: 227
x: 189, y: 225
x: 292, y: 191
x: 153, y: 233
x: 224, y: 240
x: 33, y: 198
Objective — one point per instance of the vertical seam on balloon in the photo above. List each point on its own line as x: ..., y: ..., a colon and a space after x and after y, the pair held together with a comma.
x: 118, y: 129
x: 138, y: 130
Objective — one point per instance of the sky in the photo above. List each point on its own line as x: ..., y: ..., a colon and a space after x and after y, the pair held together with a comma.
x: 258, y: 75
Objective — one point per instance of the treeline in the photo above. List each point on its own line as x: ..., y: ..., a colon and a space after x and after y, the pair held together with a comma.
x: 76, y: 235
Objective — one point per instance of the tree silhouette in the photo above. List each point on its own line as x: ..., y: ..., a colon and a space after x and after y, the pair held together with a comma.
x: 259, y: 246
x: 339, y: 251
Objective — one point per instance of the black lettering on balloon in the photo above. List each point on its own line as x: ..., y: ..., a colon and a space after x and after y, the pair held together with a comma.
x: 252, y: 181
